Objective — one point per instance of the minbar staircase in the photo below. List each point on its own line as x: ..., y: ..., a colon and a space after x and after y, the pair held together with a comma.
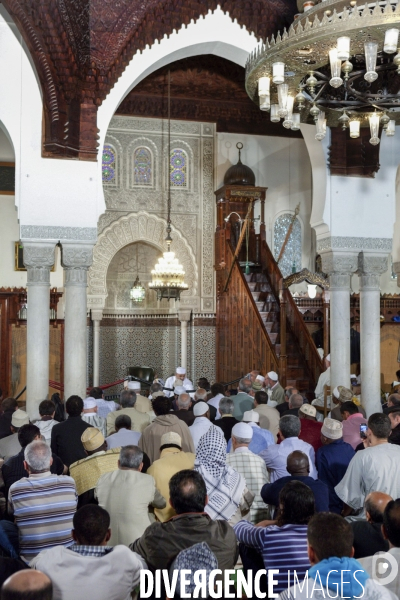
x: 258, y: 323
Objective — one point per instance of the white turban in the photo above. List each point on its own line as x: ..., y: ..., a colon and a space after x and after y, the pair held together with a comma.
x: 200, y: 409
x: 272, y: 375
x: 242, y: 430
x: 181, y: 370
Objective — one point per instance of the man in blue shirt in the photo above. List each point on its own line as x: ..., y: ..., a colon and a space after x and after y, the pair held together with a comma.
x: 262, y: 438
x: 333, y: 459
x: 298, y: 466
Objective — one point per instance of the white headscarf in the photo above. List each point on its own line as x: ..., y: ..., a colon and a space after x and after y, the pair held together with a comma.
x: 224, y: 485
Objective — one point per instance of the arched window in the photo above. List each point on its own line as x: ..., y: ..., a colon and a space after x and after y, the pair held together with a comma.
x: 142, y: 167
x: 109, y: 165
x: 178, y: 168
x: 291, y: 259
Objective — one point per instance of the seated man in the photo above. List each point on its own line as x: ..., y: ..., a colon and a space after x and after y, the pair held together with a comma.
x: 162, y: 542
x: 226, y: 420
x: 352, y: 419
x: 217, y: 393
x: 295, y: 401
x: 179, y: 379
x: 185, y: 409
x: 139, y: 420
x: 275, y: 456
x: 243, y: 400
x: 89, y: 415
x: 99, y: 460
x: 90, y: 568
x: 164, y: 422
x: 333, y: 568
x: 115, y: 490
x: 9, y: 446
x: 298, y: 467
x: 13, y: 470
x: 29, y: 585
x: 277, y: 391
x: 284, y: 406
x: 391, y: 533
x: 47, y: 410
x: 201, y: 395
x: 66, y: 436
x: 262, y: 438
x: 103, y: 406
x: 172, y: 460
x: 123, y: 436
x: 142, y: 403
x: 269, y: 416
x: 394, y: 416
x: 368, y: 538
x: 201, y: 423
x: 333, y: 458
x: 251, y: 466
x: 8, y: 406
x: 310, y: 427
x: 42, y: 503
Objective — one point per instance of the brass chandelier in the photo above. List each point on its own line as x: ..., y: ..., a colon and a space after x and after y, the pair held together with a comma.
x: 337, y: 65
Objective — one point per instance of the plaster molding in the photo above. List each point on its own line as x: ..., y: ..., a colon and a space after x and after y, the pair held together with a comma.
x: 38, y: 260
x: 44, y: 232
x: 96, y: 314
x: 340, y: 266
x: 184, y: 315
x: 354, y: 243
x: 372, y: 264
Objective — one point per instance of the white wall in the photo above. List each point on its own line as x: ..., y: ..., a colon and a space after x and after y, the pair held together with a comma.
x: 280, y: 164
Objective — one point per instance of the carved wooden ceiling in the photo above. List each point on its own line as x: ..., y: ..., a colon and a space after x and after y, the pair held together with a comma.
x: 203, y: 88
x: 81, y: 47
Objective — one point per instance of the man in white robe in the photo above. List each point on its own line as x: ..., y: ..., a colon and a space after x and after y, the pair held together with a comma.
x: 324, y: 379
x: 374, y: 469
x: 179, y: 379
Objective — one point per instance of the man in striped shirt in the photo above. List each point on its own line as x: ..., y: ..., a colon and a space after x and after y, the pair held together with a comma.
x: 43, y: 504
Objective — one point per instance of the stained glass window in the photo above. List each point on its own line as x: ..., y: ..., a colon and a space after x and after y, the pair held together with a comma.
x: 142, y: 167
x: 291, y: 259
x: 178, y: 168
x: 109, y: 165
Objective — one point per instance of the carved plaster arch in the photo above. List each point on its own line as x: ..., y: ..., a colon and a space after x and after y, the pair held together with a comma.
x: 136, y: 227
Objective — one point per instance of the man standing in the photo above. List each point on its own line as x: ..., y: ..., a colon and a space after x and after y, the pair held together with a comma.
x: 269, y: 416
x: 275, y: 456
x: 139, y: 421
x: 123, y: 435
x: 352, y: 419
x: 374, y: 468
x: 333, y: 458
x: 42, y: 504
x: 172, y: 460
x: 251, y: 467
x: 113, y: 491
x: 66, y: 436
x: 201, y: 423
x: 277, y: 391
x: 90, y: 415
x: 243, y: 401
x: 310, y: 427
x: 323, y: 380
x: 179, y: 379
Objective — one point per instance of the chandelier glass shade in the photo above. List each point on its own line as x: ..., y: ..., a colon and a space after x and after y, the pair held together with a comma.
x: 339, y: 59
x: 137, y: 292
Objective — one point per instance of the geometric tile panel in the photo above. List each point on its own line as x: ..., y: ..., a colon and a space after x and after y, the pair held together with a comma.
x: 203, y: 352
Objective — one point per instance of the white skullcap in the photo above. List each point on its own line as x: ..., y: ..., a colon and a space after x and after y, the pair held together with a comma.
x: 308, y: 409
x: 336, y: 392
x: 180, y: 370
x: 133, y: 385
x: 328, y: 357
x: 179, y: 389
x: 242, y: 430
x: 251, y: 416
x: 353, y: 376
x: 332, y: 429
x: 200, y: 409
x: 272, y: 375
x: 260, y: 378
x: 89, y: 403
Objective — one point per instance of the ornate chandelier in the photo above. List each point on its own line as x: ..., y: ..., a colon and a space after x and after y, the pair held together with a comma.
x: 168, y: 276
x: 338, y: 65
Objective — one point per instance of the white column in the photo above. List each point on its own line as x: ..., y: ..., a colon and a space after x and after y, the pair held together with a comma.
x: 184, y: 317
x: 97, y: 316
x: 340, y: 267
x: 76, y: 259
x: 38, y: 259
x: 370, y: 268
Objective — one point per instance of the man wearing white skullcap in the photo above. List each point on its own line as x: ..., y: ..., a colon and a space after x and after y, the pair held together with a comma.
x: 202, y: 422
x: 142, y: 403
x: 179, y: 379
x: 261, y: 439
x: 324, y: 379
x: 90, y: 415
x: 251, y: 466
x: 277, y: 391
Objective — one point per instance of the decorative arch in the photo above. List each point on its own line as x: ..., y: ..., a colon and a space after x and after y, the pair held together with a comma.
x: 136, y: 227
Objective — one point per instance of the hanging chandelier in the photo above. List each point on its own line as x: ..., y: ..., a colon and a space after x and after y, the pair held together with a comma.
x: 137, y: 292
x: 168, y: 276
x: 337, y: 65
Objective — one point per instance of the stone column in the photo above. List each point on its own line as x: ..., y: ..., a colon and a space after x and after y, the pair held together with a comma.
x: 370, y: 268
x: 97, y: 316
x: 38, y: 259
x: 76, y: 260
x: 184, y: 317
x: 340, y: 267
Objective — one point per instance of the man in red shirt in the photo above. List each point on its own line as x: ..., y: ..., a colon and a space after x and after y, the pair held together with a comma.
x: 310, y: 427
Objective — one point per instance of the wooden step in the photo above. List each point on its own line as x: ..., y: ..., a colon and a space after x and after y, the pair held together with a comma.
x: 260, y: 305
x: 252, y: 286
x: 272, y: 337
x: 256, y: 296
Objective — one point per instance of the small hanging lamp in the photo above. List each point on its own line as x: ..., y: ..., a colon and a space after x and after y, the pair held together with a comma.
x: 137, y: 292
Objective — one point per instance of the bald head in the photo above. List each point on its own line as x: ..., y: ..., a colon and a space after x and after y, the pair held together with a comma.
x: 34, y: 585
x: 298, y: 463
x: 375, y: 504
x: 184, y: 401
x: 295, y: 401
x: 393, y: 400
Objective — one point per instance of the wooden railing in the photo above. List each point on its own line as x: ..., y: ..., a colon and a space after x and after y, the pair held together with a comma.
x: 242, y: 340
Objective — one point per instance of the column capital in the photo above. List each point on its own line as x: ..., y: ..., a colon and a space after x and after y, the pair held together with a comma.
x: 96, y: 314
x: 340, y: 266
x: 370, y: 269
x: 38, y: 260
x: 76, y: 260
x: 184, y: 315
